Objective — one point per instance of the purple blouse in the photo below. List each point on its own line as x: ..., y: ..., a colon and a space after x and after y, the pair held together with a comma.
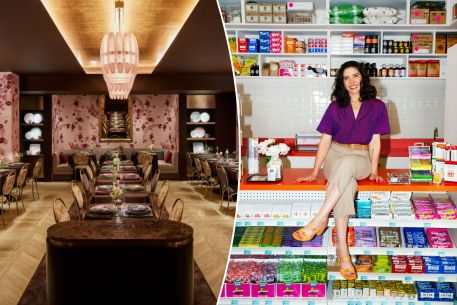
x: 344, y: 128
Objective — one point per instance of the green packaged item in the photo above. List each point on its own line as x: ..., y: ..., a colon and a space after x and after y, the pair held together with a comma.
x: 346, y: 20
x: 346, y: 9
x: 314, y: 269
x: 290, y: 270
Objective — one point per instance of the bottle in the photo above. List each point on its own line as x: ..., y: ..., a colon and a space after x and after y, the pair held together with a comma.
x: 397, y: 71
x: 367, y: 43
x: 383, y: 71
x: 374, y: 44
x: 373, y: 70
x: 402, y: 71
x: 366, y: 69
x: 390, y: 71
x: 226, y: 154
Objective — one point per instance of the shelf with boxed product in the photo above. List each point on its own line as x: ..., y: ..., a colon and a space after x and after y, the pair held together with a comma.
x: 334, y: 12
x: 275, y: 301
x: 407, y: 277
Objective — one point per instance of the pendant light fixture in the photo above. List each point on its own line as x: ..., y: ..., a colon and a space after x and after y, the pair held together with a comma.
x: 119, y: 58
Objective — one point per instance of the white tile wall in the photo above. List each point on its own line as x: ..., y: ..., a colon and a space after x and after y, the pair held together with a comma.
x: 282, y: 107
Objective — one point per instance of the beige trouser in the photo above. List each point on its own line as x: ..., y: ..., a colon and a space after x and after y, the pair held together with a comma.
x: 343, y: 167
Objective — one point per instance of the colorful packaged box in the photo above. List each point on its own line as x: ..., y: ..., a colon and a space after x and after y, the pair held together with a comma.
x: 253, y: 45
x: 390, y: 237
x: 365, y: 237
x: 439, y: 238
x: 313, y: 290
x: 415, y: 238
x: 264, y: 286
x: 243, y: 45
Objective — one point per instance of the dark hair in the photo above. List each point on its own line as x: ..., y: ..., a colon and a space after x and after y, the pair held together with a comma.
x: 341, y: 95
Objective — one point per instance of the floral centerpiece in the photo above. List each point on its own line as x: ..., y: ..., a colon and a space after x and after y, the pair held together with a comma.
x: 150, y: 147
x: 115, y: 177
x: 17, y: 157
x: 270, y: 149
x: 116, y: 163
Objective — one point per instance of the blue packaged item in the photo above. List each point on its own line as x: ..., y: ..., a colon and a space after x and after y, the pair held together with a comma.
x: 253, y: 45
x: 446, y: 291
x: 415, y: 238
x: 363, y: 208
x: 264, y: 48
x: 264, y: 35
x: 426, y: 291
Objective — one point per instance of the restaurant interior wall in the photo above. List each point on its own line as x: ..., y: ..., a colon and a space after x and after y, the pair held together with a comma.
x: 9, y: 114
x: 75, y: 122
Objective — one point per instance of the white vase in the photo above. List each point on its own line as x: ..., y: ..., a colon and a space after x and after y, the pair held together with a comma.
x: 274, y: 168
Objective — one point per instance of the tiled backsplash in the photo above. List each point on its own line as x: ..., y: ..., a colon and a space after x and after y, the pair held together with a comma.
x: 283, y: 107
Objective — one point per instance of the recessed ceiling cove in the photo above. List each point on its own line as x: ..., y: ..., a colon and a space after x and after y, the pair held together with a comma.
x: 155, y: 23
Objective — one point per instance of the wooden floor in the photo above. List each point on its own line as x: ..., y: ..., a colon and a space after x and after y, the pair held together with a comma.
x: 23, y: 242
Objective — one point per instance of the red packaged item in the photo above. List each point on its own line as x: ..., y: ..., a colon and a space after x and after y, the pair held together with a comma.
x: 243, y: 45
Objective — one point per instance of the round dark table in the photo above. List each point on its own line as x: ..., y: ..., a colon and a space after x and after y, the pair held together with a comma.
x: 131, y: 261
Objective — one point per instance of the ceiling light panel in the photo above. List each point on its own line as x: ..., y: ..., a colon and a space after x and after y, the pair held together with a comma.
x: 155, y: 23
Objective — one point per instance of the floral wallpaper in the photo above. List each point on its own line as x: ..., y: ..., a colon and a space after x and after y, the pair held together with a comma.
x: 75, y: 122
x: 9, y: 114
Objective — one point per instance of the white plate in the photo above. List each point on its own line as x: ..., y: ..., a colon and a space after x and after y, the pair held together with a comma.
x: 36, y: 133
x: 204, y: 116
x: 37, y: 118
x: 195, y: 116
x: 193, y: 134
x: 198, y: 147
x: 29, y: 118
x: 200, y: 132
x: 28, y: 135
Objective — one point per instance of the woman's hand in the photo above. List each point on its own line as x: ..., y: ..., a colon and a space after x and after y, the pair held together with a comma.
x: 309, y: 178
x: 376, y: 178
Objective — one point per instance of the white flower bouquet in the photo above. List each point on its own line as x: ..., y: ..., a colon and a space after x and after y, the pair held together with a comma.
x: 270, y: 149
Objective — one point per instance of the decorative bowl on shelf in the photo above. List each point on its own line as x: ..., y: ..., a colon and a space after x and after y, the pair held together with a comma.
x: 204, y: 117
x: 29, y: 118
x: 36, y: 133
x: 28, y: 135
x: 37, y: 118
x: 195, y: 116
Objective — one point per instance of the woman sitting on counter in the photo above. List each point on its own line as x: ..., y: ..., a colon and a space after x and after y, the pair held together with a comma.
x: 350, y: 145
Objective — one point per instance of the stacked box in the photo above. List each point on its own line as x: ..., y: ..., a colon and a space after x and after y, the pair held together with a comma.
x: 264, y: 41
x: 435, y: 291
x: 252, y: 237
x: 359, y: 44
x: 239, y: 231
x: 363, y: 207
x: 415, y: 238
x: 444, y: 206
x: 272, y: 237
x: 421, y: 44
x: 380, y: 209
x: 275, y: 42
x: 423, y: 208
x: 253, y: 45
x: 407, y: 264
x: 289, y: 44
x: 439, y: 238
x: 390, y: 237
x: 382, y: 264
x: 440, y: 265
x: 365, y: 237
x: 264, y: 285
x: 243, y: 45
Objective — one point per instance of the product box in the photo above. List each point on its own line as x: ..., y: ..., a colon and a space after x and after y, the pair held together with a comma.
x: 265, y: 18
x: 253, y: 45
x: 279, y: 18
x: 252, y: 18
x: 223, y: 291
x: 300, y: 6
x: 238, y: 290
x: 433, y: 68
x: 450, y: 172
x: 440, y: 44
x: 265, y: 8
x: 451, y: 40
x: 279, y: 8
x: 251, y: 7
x: 420, y: 15
x: 437, y: 17
x: 313, y: 290
x: 243, y: 45
x: 263, y: 290
x: 288, y: 289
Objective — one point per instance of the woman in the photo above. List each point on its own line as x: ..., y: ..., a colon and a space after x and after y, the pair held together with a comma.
x: 350, y: 146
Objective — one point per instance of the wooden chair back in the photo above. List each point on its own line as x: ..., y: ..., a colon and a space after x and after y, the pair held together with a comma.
x: 60, y: 211
x: 9, y: 184
x: 177, y: 210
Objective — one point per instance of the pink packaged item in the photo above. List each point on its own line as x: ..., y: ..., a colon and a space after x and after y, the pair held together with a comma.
x: 223, y: 291
x: 314, y: 290
x: 237, y: 290
x: 439, y: 238
x: 288, y: 290
x: 263, y: 290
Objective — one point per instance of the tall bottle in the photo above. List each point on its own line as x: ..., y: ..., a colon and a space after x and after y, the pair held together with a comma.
x: 390, y: 71
x: 373, y: 70
x: 402, y: 71
x: 383, y: 71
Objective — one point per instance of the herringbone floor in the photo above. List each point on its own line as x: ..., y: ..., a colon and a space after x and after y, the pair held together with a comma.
x: 23, y: 242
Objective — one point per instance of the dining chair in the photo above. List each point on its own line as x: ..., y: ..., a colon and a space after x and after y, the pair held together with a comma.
x: 90, y: 174
x: 93, y: 166
x: 88, y: 187
x: 225, y: 187
x: 19, y: 187
x: 35, y: 174
x: 210, y: 182
x: 60, y: 211
x: 6, y: 193
x: 78, y: 199
x: 161, y: 200
x: 199, y: 169
x: 177, y: 210
x: 154, y: 181
x: 191, y: 170
x: 147, y: 172
x: 81, y: 161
